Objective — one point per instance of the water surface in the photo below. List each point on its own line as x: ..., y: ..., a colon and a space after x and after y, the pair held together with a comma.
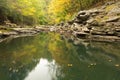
x: 48, y: 56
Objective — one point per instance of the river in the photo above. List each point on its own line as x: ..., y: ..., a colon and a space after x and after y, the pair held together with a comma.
x: 49, y: 56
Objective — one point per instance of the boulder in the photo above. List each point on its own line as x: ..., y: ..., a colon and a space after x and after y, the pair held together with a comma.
x: 95, y: 32
x: 10, y: 33
x: 81, y: 34
x: 111, y: 33
x: 83, y: 15
x: 114, y: 12
x: 117, y: 34
x: 79, y: 21
x: 113, y: 19
x: 70, y: 22
x: 105, y: 38
x: 92, y: 22
x: 95, y: 11
x: 109, y: 3
x: 117, y: 29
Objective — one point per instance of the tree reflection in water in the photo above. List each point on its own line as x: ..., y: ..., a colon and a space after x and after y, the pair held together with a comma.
x: 48, y: 57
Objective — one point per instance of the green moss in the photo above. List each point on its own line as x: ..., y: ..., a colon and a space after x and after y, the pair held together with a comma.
x: 105, y: 17
x: 110, y: 7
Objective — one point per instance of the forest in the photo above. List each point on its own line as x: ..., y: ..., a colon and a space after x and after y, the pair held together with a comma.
x: 31, y: 12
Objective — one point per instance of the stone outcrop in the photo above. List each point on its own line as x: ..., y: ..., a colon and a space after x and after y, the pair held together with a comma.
x: 6, y: 33
x: 99, y: 24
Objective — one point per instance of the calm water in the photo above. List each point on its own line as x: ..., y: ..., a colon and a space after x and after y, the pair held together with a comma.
x: 50, y: 57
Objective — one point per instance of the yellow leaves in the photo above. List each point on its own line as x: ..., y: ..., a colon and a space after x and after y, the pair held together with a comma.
x: 64, y: 10
x: 67, y: 17
x: 25, y: 7
x: 47, y: 11
x: 57, y: 6
x: 57, y: 20
x: 53, y: 11
x: 110, y: 7
x: 32, y: 10
x: 29, y: 11
x: 60, y: 10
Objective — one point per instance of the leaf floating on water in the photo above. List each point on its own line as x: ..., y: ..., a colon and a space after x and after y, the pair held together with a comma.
x: 110, y: 60
x: 17, y: 70
x: 13, y: 62
x: 89, y: 66
x: 117, y: 65
x: 93, y: 64
x: 10, y: 69
x: 70, y: 65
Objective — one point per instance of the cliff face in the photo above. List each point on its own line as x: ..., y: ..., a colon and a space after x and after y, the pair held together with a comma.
x: 99, y: 24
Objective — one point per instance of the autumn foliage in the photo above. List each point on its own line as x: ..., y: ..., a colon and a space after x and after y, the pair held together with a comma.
x: 41, y: 11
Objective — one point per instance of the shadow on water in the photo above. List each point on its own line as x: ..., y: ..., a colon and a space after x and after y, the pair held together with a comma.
x: 49, y: 57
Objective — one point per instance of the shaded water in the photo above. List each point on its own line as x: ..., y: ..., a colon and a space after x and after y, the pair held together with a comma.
x: 49, y: 57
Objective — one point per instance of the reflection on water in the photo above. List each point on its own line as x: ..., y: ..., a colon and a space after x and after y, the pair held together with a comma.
x: 49, y: 57
x: 41, y: 71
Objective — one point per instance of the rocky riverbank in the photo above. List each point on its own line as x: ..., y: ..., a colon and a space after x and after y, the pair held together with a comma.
x: 97, y: 24
x: 6, y: 33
